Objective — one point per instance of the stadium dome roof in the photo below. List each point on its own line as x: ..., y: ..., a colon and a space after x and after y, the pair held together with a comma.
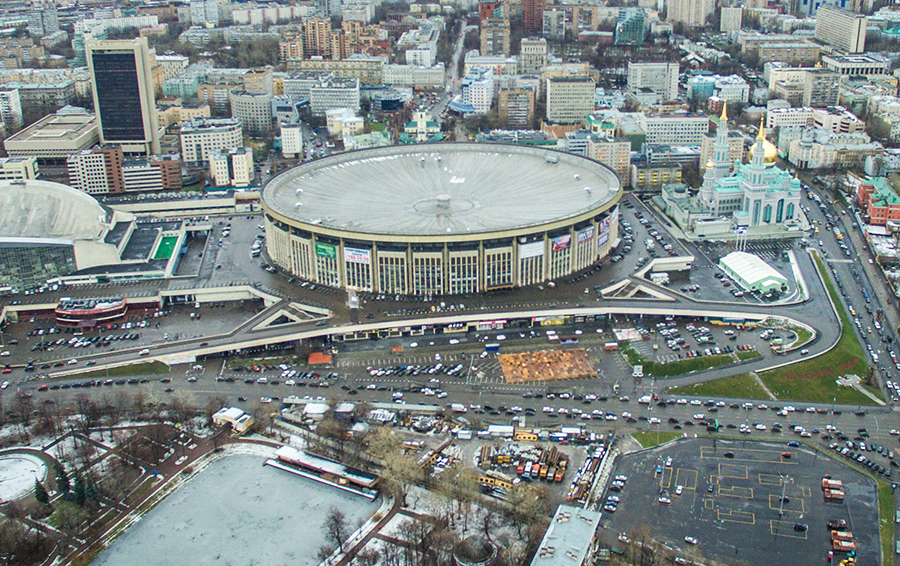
x: 42, y: 209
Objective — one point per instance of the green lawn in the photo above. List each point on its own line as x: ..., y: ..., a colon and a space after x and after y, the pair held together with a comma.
x: 886, y: 521
x: 745, y: 355
x: 129, y: 370
x: 813, y: 380
x: 803, y: 335
x: 741, y: 386
x: 678, y: 367
x: 650, y: 438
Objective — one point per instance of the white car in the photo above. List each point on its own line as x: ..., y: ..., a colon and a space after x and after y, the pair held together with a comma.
x: 4, y: 385
x: 548, y: 410
x: 760, y: 426
x: 679, y: 490
x: 454, y: 341
x: 690, y: 540
x: 699, y: 416
x: 72, y: 361
x: 681, y: 402
x: 290, y: 382
x: 371, y: 387
x: 612, y: 418
x: 696, y: 402
x: 265, y: 399
x: 653, y: 420
x: 413, y: 344
x: 442, y: 395
x: 664, y: 501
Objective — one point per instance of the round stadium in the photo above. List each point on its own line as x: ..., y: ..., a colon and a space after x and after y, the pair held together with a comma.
x: 441, y: 219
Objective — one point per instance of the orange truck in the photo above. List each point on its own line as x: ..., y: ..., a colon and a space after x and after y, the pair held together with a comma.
x: 843, y: 545
x: 841, y: 535
x: 832, y: 484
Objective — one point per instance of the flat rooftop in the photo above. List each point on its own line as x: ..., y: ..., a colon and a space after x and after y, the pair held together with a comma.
x: 56, y: 127
x: 441, y: 189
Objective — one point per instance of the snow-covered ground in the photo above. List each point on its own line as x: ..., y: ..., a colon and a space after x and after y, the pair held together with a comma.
x: 17, y: 475
x: 237, y: 511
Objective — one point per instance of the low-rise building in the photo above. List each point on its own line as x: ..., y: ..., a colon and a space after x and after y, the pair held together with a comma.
x: 879, y: 200
x: 652, y: 178
x: 818, y: 149
x: 342, y: 122
x: 789, y: 118
x: 414, y: 76
x: 837, y: 119
x: 233, y: 417
x: 53, y: 138
x: 18, y: 168
x: 573, y: 529
x: 859, y: 65
x: 421, y: 129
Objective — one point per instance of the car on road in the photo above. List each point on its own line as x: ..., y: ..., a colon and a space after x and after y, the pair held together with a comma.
x: 690, y: 540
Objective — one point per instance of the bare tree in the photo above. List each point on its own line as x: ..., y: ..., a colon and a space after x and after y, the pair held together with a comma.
x: 336, y: 528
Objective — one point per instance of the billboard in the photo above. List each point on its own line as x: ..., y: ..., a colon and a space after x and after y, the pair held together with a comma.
x: 586, y: 234
x: 560, y: 242
x: 357, y: 255
x: 534, y: 249
x: 614, y: 215
x: 326, y: 250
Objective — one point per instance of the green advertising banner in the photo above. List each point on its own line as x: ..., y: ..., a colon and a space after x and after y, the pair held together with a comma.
x: 326, y: 250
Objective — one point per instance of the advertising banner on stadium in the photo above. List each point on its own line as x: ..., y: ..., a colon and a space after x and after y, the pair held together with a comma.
x: 326, y: 250
x: 534, y: 249
x: 356, y: 255
x: 586, y: 234
x: 560, y: 242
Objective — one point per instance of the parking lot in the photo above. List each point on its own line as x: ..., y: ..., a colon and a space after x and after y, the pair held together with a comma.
x: 727, y: 495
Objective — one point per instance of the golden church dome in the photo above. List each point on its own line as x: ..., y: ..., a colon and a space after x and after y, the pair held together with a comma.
x: 771, y: 152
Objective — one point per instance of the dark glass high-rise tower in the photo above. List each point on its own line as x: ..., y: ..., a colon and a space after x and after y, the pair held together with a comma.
x: 123, y: 94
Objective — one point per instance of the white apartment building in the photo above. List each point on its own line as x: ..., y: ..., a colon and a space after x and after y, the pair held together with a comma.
x: 231, y: 167
x: 692, y: 13
x: 414, y: 76
x: 87, y: 172
x: 731, y: 18
x: 837, y: 119
x: 532, y: 56
x: 661, y: 78
x: 253, y: 110
x: 18, y: 168
x: 883, y: 104
x: 141, y: 176
x: 569, y: 99
x: 10, y: 108
x: 675, y: 130
x: 172, y: 65
x: 334, y: 92
x: 732, y: 89
x: 857, y: 65
x: 200, y: 137
x: 843, y: 29
x: 292, y: 139
x: 205, y: 13
x: 789, y: 118
x: 478, y: 90
x: 358, y: 12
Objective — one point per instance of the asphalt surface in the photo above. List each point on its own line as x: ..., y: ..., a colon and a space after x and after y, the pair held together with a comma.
x: 743, y: 518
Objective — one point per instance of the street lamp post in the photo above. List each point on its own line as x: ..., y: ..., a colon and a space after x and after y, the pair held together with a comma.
x: 783, y: 488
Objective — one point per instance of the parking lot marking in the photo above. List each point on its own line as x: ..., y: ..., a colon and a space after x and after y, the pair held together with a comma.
x: 785, y: 529
x: 736, y: 491
x: 747, y: 455
x: 686, y: 478
x: 665, y: 480
x: 709, y: 503
x: 771, y: 479
x: 735, y: 471
x: 731, y: 516
x: 775, y: 504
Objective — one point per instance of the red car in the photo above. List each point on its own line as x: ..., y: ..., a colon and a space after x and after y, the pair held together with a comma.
x: 785, y: 454
x: 6, y: 370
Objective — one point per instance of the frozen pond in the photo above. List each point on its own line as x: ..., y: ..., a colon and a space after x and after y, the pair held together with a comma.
x: 17, y: 475
x: 237, y: 511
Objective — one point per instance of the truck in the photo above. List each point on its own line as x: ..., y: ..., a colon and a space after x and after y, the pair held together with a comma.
x: 843, y: 545
x: 493, y: 347
x: 841, y: 535
x: 828, y: 483
x: 458, y: 408
x: 837, y: 524
x: 834, y: 495
x: 611, y: 346
x: 464, y: 435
